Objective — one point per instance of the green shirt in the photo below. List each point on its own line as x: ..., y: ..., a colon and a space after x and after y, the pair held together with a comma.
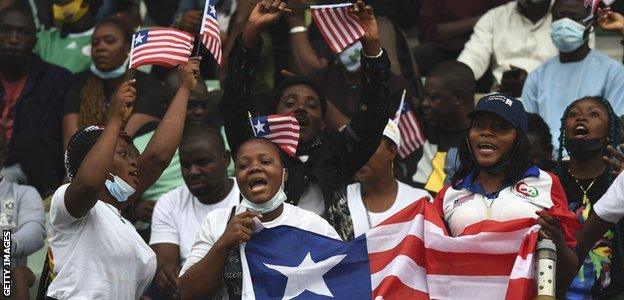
x: 72, y: 52
x: 171, y: 177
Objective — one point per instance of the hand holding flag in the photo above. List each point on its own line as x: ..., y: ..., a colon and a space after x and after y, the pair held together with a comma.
x: 263, y: 15
x: 610, y: 21
x: 343, y: 24
x: 189, y: 72
x: 123, y: 100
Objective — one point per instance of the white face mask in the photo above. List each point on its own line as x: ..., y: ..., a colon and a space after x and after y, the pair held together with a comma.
x: 109, y: 74
x: 270, y: 205
x: 119, y: 189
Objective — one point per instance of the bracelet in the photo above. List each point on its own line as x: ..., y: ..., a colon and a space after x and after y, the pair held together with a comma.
x: 374, y: 56
x: 298, y: 29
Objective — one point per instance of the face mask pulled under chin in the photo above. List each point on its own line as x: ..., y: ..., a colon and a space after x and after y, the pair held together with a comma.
x: 119, y: 189
x: 69, y: 13
x: 109, y: 74
x: 584, y: 150
x: 270, y: 205
x: 567, y: 35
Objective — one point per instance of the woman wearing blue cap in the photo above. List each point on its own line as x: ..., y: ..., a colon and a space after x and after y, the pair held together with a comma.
x: 497, y: 182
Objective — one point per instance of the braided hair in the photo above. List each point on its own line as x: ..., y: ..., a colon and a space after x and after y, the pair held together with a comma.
x: 613, y: 134
x: 79, y: 146
x: 92, y: 110
x: 613, y: 138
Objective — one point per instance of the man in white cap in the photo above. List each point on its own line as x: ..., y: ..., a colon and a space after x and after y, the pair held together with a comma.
x: 378, y: 195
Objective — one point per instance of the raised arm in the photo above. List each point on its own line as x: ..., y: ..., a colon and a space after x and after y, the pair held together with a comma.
x: 82, y: 192
x: 361, y: 137
x: 166, y: 138
x: 305, y: 59
x: 236, y: 103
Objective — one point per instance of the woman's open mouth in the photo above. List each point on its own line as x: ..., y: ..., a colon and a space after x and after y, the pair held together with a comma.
x: 258, y: 184
x: 580, y: 131
x: 486, y: 148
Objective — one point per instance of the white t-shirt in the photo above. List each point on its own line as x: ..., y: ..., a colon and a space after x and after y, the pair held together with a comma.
x: 406, y: 195
x: 98, y: 256
x: 216, y: 221
x: 312, y: 199
x: 178, y: 216
x: 610, y: 207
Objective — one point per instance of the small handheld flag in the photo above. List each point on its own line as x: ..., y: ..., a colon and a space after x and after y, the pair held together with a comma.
x: 282, y: 130
x: 160, y: 46
x: 209, y: 31
x: 339, y: 29
x: 412, y: 137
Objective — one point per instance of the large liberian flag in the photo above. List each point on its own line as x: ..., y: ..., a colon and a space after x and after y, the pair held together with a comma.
x: 408, y: 256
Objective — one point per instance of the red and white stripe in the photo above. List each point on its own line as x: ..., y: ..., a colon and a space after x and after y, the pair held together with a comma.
x: 339, y: 29
x: 413, y: 257
x: 210, y: 34
x: 412, y: 138
x: 284, y: 132
x: 165, y: 46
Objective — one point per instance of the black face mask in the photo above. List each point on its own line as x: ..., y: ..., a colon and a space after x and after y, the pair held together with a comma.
x: 584, y: 150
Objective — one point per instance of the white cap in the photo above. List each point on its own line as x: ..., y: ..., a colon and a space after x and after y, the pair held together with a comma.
x: 392, y: 132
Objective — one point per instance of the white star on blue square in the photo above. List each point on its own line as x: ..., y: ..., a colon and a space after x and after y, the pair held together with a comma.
x: 139, y: 38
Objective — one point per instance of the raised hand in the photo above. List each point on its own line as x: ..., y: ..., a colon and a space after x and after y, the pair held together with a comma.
x: 263, y: 15
x: 610, y: 21
x: 614, y: 159
x: 364, y: 14
x: 189, y: 73
x: 123, y: 100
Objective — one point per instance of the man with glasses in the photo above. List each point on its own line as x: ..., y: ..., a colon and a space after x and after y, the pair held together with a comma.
x: 32, y: 96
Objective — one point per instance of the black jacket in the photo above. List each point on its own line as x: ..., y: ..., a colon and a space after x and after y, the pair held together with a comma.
x: 40, y: 106
x: 337, y: 155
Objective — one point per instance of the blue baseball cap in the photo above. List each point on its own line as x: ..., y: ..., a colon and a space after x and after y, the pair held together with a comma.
x: 505, y: 106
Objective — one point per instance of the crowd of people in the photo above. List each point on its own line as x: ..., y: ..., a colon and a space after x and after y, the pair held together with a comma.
x: 143, y: 185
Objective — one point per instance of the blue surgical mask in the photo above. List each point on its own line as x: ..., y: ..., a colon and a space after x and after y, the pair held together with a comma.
x: 119, y: 189
x: 270, y: 205
x: 567, y: 35
x: 109, y: 74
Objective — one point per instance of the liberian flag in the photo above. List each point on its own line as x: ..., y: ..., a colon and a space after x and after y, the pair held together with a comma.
x: 408, y: 256
x: 339, y: 29
x: 592, y: 7
x: 412, y: 136
x: 282, y: 130
x: 160, y: 46
x: 209, y: 32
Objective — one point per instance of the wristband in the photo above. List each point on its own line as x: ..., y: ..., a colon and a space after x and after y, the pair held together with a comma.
x: 298, y: 29
x: 374, y: 56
